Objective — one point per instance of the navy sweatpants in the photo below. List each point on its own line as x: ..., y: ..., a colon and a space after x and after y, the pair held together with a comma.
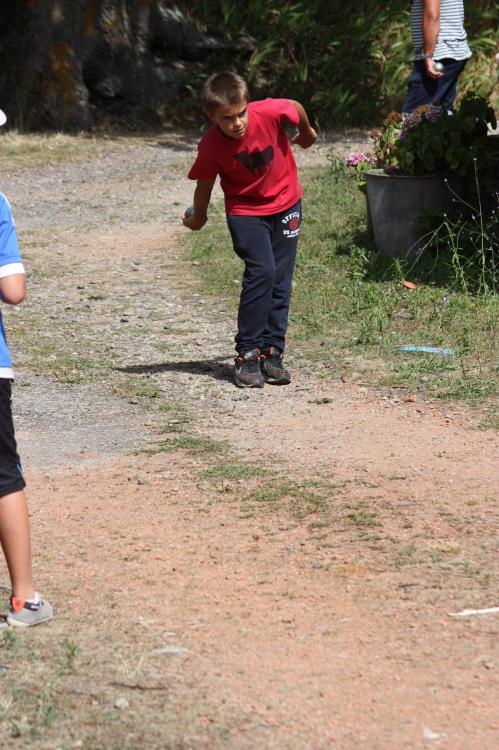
x: 423, y: 89
x: 267, y: 245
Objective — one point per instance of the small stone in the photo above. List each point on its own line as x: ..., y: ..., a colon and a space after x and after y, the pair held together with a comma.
x: 121, y: 703
x: 167, y: 326
x: 429, y: 734
x: 137, y: 262
x: 123, y: 320
x: 173, y: 650
x: 317, y: 565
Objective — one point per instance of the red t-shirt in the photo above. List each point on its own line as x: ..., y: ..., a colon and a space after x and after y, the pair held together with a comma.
x: 257, y: 172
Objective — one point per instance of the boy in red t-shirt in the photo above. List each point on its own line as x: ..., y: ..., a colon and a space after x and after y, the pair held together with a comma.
x: 248, y: 147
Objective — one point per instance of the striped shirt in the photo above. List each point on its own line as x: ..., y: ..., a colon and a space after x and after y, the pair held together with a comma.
x: 452, y: 41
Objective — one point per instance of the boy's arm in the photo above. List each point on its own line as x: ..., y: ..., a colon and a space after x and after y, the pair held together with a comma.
x: 13, y: 288
x: 306, y: 135
x: 197, y: 218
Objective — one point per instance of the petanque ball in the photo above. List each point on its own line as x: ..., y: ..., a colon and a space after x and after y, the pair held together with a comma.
x: 439, y: 67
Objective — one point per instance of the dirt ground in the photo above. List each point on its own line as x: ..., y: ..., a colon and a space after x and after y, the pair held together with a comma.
x: 267, y: 569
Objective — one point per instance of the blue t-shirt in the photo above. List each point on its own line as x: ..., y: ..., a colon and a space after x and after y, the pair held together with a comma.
x: 10, y: 264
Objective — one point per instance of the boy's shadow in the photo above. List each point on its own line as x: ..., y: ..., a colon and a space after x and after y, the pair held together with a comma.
x: 214, y: 368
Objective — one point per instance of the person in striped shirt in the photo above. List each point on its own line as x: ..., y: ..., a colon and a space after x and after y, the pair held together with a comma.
x: 438, y: 36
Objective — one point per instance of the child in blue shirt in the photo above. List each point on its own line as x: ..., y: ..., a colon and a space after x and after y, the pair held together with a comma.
x: 26, y: 606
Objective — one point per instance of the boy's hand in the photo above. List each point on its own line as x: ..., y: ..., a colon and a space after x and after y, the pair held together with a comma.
x: 192, y: 221
x: 305, y: 138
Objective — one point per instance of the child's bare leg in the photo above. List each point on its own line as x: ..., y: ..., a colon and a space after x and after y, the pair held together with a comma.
x: 15, y: 540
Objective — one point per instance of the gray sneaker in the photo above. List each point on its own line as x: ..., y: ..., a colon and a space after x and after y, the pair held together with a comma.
x: 272, y: 367
x: 247, y: 370
x: 23, y: 614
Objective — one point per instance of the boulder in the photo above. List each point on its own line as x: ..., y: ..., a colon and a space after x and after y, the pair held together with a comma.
x: 67, y: 65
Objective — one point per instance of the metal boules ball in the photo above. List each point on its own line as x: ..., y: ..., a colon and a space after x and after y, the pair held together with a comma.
x: 439, y: 67
x: 189, y: 212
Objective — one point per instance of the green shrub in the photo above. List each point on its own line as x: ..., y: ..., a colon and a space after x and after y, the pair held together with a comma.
x: 346, y: 67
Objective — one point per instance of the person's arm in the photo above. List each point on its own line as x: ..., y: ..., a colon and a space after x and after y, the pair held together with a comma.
x: 431, y: 30
x: 13, y: 288
x: 199, y: 216
x: 306, y: 135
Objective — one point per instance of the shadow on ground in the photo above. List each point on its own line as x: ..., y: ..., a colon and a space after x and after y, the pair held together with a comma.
x: 211, y: 367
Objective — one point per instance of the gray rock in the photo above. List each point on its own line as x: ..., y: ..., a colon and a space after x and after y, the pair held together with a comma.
x: 173, y: 651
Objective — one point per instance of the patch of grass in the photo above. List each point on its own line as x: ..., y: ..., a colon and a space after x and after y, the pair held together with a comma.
x: 405, y: 555
x: 178, y: 418
x: 166, y: 407
x: 67, y: 368
x: 490, y: 418
x: 303, y: 497
x: 361, y: 517
x: 228, y: 471
x: 271, y: 493
x: 19, y: 150
x: 9, y: 639
x: 195, y: 445
x: 148, y: 390
x: 136, y: 387
x: 71, y: 651
x: 351, y: 300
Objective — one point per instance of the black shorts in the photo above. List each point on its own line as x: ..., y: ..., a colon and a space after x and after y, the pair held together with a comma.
x: 11, y: 478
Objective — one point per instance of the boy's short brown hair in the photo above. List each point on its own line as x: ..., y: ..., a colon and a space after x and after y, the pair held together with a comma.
x: 224, y: 90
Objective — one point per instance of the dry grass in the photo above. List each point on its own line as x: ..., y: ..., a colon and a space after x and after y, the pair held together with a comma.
x: 35, y: 150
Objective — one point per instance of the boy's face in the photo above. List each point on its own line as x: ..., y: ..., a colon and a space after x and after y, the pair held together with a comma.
x: 232, y: 120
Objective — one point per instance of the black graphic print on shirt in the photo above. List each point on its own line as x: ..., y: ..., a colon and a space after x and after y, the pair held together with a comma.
x: 256, y: 161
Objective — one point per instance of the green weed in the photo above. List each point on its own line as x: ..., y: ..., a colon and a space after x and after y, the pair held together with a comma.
x: 405, y: 555
x: 193, y: 444
x: 230, y: 471
x: 9, y: 639
x: 361, y: 517
x: 71, y: 651
x: 304, y: 498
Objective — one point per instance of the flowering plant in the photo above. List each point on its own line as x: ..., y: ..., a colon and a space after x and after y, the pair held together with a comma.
x: 359, y: 162
x: 431, y: 140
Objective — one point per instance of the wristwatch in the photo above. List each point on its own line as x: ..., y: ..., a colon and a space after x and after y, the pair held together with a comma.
x: 428, y: 56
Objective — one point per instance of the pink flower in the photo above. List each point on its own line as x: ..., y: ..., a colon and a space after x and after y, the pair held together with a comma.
x: 357, y: 157
x: 354, y: 158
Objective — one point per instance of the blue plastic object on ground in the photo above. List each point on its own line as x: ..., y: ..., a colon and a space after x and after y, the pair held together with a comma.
x: 428, y: 350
